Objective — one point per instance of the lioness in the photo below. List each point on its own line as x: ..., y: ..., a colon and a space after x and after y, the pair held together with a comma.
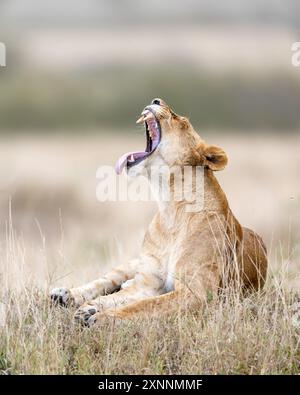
x: 187, y: 255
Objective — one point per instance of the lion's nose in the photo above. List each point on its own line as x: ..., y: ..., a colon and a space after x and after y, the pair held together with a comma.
x: 156, y: 101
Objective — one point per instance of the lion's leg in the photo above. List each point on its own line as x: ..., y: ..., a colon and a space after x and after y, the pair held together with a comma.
x: 144, y: 286
x: 169, y: 303
x: 107, y: 284
x: 192, y: 294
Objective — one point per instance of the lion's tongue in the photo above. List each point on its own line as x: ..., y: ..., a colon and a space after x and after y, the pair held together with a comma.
x: 129, y: 156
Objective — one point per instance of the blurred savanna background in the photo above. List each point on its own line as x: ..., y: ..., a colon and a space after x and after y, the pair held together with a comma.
x: 77, y: 76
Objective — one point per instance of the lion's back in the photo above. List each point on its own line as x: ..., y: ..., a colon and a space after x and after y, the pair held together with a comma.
x: 254, y: 260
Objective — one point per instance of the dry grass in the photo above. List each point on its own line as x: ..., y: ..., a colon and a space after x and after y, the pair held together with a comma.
x: 256, y: 335
x: 58, y: 234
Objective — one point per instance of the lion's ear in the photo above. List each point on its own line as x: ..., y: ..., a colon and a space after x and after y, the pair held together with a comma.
x: 215, y: 157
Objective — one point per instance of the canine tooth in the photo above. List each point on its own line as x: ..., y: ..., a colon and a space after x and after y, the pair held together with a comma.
x: 141, y: 119
x: 131, y: 158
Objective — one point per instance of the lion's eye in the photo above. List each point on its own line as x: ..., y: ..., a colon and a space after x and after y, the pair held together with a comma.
x: 156, y: 101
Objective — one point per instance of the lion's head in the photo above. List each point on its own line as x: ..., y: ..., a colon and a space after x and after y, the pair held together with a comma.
x: 170, y: 141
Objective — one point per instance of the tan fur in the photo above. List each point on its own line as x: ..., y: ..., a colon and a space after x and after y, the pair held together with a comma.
x: 186, y: 257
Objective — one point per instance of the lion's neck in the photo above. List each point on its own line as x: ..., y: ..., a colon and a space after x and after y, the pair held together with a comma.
x: 207, y: 194
x: 214, y: 197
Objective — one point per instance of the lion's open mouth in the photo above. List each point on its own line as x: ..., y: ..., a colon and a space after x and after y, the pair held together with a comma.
x: 153, y: 136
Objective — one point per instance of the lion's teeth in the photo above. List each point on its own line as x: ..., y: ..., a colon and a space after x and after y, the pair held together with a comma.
x: 149, y: 116
x: 141, y: 119
x: 131, y: 159
x: 146, y: 114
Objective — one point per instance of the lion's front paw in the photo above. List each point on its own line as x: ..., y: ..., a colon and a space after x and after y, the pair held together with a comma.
x: 93, y: 320
x: 85, y: 313
x: 62, y: 296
